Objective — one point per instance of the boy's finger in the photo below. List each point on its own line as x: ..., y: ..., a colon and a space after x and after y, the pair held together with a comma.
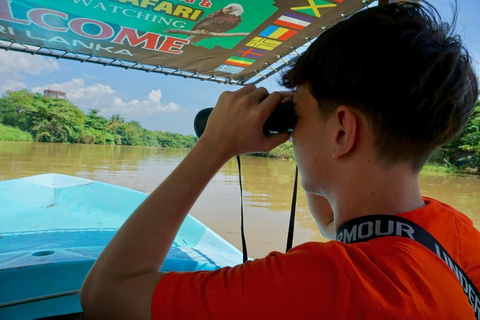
x: 246, y: 89
x: 270, y: 103
x: 287, y: 95
x: 259, y: 94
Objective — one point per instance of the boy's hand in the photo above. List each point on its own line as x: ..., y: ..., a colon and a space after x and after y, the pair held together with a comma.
x: 235, y: 125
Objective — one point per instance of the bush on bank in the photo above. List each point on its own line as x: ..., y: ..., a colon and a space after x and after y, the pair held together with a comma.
x: 8, y: 133
x: 283, y: 151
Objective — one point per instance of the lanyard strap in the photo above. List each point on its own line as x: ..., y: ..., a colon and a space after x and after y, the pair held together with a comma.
x: 291, y: 224
x: 372, y: 227
x: 242, y: 227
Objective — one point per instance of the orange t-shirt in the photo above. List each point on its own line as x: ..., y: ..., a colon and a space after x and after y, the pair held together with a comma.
x: 385, y: 278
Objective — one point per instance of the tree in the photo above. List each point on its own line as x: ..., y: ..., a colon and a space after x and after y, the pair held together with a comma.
x: 149, y: 138
x: 175, y: 140
x: 130, y: 134
x: 94, y: 121
x: 56, y: 120
x: 16, y: 107
x: 115, y: 122
x: 464, y: 151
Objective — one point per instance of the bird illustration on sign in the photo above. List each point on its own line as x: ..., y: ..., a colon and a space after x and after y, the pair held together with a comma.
x: 220, y: 21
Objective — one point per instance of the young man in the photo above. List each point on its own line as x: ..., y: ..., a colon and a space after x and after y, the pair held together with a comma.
x: 375, y: 95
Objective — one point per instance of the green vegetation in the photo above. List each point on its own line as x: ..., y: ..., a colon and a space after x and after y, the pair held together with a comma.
x: 13, y: 134
x: 26, y: 116
x: 447, y: 168
x: 463, y: 153
x: 283, y: 151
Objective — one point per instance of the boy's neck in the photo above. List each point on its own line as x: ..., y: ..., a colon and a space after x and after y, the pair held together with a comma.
x: 375, y: 190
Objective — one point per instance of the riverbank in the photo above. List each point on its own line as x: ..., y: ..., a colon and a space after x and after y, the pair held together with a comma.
x: 282, y: 152
x: 285, y: 152
x: 446, y: 168
x: 27, y: 116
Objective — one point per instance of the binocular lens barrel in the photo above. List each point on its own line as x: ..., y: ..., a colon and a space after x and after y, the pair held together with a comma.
x: 282, y: 119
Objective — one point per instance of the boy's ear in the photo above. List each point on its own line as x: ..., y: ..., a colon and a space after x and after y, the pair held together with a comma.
x: 346, y: 131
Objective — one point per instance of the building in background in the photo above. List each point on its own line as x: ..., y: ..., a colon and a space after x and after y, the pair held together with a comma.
x: 54, y: 94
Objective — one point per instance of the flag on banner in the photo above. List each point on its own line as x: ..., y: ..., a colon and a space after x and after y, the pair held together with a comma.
x: 279, y: 33
x: 250, y: 53
x: 229, y: 69
x: 263, y: 43
x: 294, y: 20
x: 313, y: 7
x: 238, y: 61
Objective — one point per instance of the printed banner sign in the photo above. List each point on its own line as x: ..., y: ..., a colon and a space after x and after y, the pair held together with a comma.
x: 228, y: 38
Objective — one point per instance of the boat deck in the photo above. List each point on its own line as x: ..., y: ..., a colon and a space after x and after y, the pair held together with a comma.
x: 52, y: 229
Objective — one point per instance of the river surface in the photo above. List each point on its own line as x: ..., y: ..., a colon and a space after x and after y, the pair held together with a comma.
x: 267, y: 183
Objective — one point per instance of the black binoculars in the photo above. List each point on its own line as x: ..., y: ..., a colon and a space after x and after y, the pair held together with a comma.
x: 282, y: 119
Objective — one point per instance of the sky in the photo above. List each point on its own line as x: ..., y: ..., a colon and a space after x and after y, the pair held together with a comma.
x: 160, y: 102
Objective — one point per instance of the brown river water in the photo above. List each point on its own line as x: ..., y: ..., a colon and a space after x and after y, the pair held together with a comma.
x: 267, y: 183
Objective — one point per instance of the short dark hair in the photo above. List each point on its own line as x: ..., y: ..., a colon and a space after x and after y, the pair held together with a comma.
x: 401, y: 66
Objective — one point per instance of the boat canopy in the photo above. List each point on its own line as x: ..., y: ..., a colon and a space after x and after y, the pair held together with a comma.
x: 228, y: 41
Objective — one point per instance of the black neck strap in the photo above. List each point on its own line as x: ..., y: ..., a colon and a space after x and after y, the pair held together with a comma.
x: 372, y: 227
x: 242, y: 226
x: 291, y: 224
